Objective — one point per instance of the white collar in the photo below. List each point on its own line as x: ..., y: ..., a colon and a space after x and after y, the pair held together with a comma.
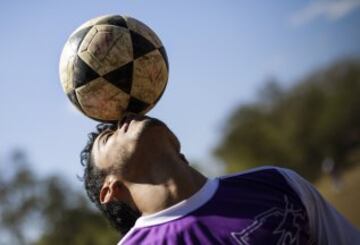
x: 178, y: 210
x: 182, y: 208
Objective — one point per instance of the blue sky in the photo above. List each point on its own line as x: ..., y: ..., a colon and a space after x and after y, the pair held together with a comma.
x: 220, y: 54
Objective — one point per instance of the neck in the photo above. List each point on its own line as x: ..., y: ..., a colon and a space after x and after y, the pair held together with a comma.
x: 177, y: 182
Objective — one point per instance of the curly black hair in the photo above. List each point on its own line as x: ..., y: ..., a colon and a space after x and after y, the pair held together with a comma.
x: 119, y: 214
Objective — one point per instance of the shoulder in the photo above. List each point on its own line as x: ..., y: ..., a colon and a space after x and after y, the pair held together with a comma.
x: 268, y: 175
x: 264, y: 187
x: 271, y: 175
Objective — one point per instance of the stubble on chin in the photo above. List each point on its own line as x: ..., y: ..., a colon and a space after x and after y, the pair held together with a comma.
x: 148, y: 123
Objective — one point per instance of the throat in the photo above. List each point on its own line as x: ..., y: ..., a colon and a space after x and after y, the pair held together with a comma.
x: 152, y: 198
x: 159, y: 198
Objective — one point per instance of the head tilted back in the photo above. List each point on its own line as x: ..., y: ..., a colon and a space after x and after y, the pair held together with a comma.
x: 120, y: 215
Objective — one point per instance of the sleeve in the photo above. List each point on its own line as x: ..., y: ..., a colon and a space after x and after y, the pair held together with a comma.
x: 326, y: 224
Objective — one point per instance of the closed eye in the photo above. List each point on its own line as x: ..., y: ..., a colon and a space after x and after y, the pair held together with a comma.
x: 106, y: 136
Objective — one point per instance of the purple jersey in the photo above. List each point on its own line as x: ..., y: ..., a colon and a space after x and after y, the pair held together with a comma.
x: 257, y: 207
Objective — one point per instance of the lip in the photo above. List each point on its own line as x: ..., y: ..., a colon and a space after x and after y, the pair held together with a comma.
x: 126, y: 121
x: 127, y: 124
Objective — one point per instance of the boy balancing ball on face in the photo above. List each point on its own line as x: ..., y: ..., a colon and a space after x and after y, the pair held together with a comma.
x: 135, y: 172
x: 137, y: 176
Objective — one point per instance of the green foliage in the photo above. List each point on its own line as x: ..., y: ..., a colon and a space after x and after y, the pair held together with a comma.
x: 48, y: 208
x: 79, y: 226
x: 345, y: 199
x: 299, y: 127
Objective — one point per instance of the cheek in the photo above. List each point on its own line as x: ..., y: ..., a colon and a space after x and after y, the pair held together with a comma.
x: 121, y: 151
x: 134, y: 134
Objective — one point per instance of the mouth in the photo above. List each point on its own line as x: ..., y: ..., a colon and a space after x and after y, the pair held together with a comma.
x: 125, y: 122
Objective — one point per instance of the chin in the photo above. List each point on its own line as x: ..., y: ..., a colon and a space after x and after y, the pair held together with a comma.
x: 150, y: 121
x: 150, y: 124
x: 145, y: 124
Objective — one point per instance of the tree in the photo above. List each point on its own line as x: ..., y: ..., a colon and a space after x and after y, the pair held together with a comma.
x: 299, y: 127
x: 46, y: 210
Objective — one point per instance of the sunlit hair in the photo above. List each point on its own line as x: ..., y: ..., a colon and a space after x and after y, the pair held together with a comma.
x: 119, y: 214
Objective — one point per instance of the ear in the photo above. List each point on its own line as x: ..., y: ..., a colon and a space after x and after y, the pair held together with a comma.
x: 110, y: 191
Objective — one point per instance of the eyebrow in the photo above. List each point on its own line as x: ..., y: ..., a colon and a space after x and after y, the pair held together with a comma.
x: 103, y: 134
x: 99, y: 138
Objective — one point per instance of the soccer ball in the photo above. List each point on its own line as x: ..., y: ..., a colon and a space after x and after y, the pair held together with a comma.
x: 111, y: 65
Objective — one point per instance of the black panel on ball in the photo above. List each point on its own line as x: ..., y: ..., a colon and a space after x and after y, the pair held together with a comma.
x: 116, y: 20
x: 72, y: 96
x: 136, y: 105
x: 161, y: 94
x: 76, y: 39
x: 121, y: 77
x: 83, y: 73
x: 164, y: 55
x: 141, y: 45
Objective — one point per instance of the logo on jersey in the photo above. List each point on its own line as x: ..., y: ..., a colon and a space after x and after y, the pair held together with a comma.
x: 284, y: 225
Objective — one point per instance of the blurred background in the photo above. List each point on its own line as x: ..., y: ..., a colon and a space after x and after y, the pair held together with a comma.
x: 251, y: 83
